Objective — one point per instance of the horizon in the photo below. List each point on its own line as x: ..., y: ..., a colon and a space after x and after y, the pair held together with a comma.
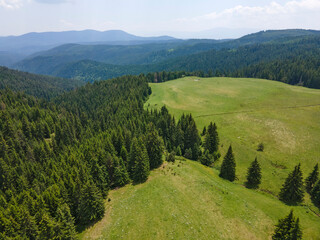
x: 164, y: 35
x: 204, y: 19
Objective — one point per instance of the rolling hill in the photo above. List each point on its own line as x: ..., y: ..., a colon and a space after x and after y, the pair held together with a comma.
x: 187, y: 200
x: 247, y: 112
x: 36, y: 85
x: 260, y: 55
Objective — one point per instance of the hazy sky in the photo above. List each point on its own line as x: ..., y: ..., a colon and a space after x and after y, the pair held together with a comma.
x: 155, y: 17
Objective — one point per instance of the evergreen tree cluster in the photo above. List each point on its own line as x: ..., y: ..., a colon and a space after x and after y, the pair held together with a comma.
x: 181, y: 137
x: 59, y: 159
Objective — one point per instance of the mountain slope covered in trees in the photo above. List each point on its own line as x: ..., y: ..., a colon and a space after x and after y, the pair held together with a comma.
x: 36, y: 85
x: 290, y: 58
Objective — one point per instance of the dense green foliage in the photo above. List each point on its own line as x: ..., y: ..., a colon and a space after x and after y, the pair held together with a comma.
x: 254, y: 175
x: 59, y: 159
x: 292, y: 189
x: 36, y: 85
x: 288, y: 228
x: 228, y: 166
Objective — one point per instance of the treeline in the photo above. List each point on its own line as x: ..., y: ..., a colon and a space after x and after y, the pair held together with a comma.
x: 36, y: 85
x: 294, y: 71
x: 293, y: 62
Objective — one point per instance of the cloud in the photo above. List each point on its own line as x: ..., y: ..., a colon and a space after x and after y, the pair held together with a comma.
x: 11, y: 4
x: 52, y: 1
x: 292, y: 14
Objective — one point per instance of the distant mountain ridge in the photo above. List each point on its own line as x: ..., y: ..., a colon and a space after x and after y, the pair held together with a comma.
x: 32, y: 42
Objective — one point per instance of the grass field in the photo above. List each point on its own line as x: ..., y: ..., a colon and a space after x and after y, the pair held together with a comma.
x: 285, y: 118
x: 189, y: 201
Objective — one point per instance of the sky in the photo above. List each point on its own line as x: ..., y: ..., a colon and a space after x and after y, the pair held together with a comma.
x: 158, y: 17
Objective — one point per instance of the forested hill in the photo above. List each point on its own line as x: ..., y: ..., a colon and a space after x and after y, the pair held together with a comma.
x: 293, y: 61
x: 36, y: 85
x: 59, y: 159
x: 259, y: 60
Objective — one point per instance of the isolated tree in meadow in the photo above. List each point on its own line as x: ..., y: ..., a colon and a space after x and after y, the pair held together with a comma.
x: 211, y: 142
x: 292, y: 189
x: 154, y: 145
x: 288, y: 228
x: 228, y: 166
x: 312, y: 178
x: 254, y: 175
x: 315, y: 194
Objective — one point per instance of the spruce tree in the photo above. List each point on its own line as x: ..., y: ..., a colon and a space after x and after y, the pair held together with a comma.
x: 206, y: 158
x: 139, y: 162
x: 312, y: 178
x: 171, y: 157
x: 91, y: 204
x: 120, y: 174
x: 315, y: 194
x: 204, y: 131
x: 154, y: 145
x: 228, y: 166
x: 211, y: 142
x: 292, y: 189
x: 254, y: 175
x: 67, y: 229
x: 288, y: 228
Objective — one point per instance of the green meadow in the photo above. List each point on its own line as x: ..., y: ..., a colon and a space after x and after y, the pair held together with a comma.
x: 187, y: 200
x: 285, y: 118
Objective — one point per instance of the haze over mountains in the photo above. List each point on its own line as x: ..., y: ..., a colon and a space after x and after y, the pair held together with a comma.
x: 91, y: 55
x: 15, y: 48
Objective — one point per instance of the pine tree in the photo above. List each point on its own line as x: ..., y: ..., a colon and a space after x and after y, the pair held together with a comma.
x: 296, y: 232
x: 228, y: 166
x: 315, y: 194
x: 154, y: 145
x: 254, y: 175
x: 124, y: 155
x: 292, y: 189
x: 91, y: 204
x: 312, y: 178
x: 66, y: 222
x: 120, y: 175
x: 204, y: 131
x: 206, y: 158
x: 171, y: 157
x: 211, y: 142
x: 288, y: 228
x: 139, y: 162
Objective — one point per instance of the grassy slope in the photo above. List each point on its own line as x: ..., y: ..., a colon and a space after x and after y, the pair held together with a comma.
x: 189, y: 201
x: 250, y: 111
x: 195, y: 203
